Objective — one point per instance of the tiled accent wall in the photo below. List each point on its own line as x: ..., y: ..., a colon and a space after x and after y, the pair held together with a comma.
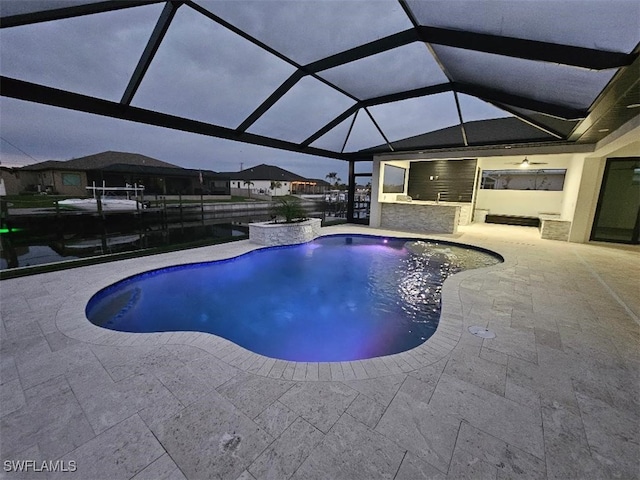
x: 420, y: 218
x: 555, y: 230
x: 273, y: 234
x: 452, y: 179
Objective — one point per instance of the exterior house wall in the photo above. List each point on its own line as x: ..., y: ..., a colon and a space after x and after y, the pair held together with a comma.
x: 530, y: 203
x: 513, y: 202
x: 46, y: 181
x: 10, y: 181
x: 574, y: 207
x: 621, y: 143
x: 60, y: 182
x: 64, y: 182
x: 261, y: 186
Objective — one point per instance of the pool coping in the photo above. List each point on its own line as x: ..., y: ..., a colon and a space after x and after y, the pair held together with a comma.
x: 71, y: 320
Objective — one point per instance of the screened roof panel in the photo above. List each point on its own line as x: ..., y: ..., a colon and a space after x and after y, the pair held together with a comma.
x: 416, y: 115
x: 364, y: 134
x: 334, y: 139
x: 263, y: 72
x: 221, y: 85
x: 306, y: 31
x: 404, y: 68
x: 600, y: 24
x: 303, y: 110
x: 545, y: 82
x: 473, y: 108
x: 50, y: 54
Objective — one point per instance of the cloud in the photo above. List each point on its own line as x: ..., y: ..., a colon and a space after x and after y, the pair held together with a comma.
x: 205, y: 72
x: 201, y: 71
x: 93, y: 54
x: 51, y: 133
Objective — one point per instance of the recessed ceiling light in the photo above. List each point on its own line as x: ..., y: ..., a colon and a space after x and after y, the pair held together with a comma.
x: 633, y: 105
x: 602, y: 130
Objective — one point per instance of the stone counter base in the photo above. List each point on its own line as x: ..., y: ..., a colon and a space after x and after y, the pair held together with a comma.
x: 551, y: 229
x: 274, y: 234
x: 420, y: 218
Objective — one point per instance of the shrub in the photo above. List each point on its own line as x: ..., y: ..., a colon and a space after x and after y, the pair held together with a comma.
x: 291, y: 210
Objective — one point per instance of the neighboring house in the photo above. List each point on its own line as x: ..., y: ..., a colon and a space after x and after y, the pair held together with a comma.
x: 274, y: 181
x: 9, y: 181
x: 317, y: 185
x: 116, y: 169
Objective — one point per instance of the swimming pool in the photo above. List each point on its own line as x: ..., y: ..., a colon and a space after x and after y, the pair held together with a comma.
x: 337, y: 298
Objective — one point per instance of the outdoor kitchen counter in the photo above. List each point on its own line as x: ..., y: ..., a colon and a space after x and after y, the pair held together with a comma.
x: 423, y: 216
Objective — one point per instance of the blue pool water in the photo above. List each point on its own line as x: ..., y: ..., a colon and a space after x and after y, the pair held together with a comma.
x: 338, y: 298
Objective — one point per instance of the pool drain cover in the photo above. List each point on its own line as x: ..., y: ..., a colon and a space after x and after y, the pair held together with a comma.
x: 481, y: 332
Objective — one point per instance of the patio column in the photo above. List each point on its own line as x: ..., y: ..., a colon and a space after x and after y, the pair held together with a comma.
x: 351, y: 192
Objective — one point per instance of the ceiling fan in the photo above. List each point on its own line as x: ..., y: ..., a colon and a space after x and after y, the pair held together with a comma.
x: 525, y: 163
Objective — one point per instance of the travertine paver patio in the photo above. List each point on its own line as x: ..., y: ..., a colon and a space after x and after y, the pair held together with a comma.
x: 554, y: 395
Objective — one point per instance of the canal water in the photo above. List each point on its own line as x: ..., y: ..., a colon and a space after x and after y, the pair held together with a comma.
x: 45, y: 236
x: 31, y: 246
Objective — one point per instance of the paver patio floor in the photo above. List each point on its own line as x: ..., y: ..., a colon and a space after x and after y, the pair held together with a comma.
x: 554, y: 395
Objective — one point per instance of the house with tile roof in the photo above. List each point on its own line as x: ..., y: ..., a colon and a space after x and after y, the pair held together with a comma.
x: 272, y: 180
x: 115, y: 169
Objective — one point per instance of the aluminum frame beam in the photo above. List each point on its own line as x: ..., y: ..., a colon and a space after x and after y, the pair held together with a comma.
x: 21, y: 90
x: 159, y: 31
x: 527, y: 49
x: 72, y: 10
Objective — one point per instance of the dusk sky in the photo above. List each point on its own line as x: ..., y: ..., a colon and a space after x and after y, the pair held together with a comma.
x: 49, y: 133
x: 206, y: 72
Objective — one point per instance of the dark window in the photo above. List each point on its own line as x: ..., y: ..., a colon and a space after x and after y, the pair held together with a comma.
x: 71, y: 179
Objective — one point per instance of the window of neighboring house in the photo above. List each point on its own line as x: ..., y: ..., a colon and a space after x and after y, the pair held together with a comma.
x: 71, y: 179
x: 543, y: 179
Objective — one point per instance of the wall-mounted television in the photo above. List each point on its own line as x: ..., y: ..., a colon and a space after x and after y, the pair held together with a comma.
x: 393, y: 179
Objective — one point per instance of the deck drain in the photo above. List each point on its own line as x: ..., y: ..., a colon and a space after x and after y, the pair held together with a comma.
x: 481, y: 332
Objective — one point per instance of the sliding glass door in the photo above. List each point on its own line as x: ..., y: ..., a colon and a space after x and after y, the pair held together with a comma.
x: 618, y: 212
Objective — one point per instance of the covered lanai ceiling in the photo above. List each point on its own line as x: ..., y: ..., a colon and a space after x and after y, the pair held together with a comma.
x: 341, y: 79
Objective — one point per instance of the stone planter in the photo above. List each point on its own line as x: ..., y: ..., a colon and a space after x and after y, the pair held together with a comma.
x: 273, y: 234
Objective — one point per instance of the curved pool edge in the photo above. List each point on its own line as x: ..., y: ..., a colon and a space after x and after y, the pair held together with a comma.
x: 71, y: 321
